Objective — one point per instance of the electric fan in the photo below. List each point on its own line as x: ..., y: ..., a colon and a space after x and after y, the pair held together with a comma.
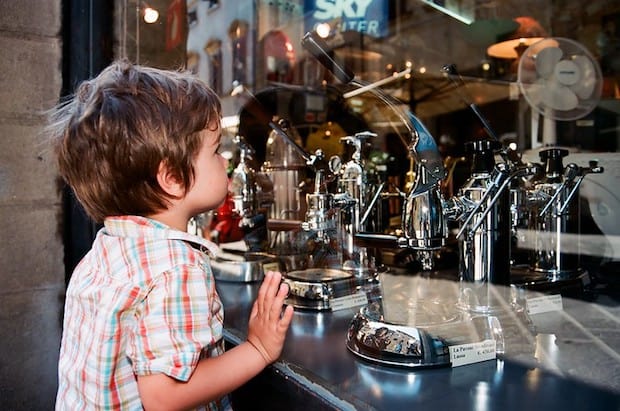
x: 560, y: 81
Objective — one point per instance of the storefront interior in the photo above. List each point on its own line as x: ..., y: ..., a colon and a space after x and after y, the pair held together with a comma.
x: 426, y: 174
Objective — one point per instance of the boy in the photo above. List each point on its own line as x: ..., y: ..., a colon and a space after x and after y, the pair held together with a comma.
x: 143, y: 321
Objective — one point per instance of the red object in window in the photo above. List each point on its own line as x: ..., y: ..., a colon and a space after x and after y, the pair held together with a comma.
x: 175, y: 24
x: 226, y: 222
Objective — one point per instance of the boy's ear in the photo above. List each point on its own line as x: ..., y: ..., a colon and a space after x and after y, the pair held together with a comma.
x: 169, y: 182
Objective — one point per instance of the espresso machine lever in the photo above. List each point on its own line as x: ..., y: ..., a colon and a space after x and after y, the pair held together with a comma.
x: 573, y: 176
x: 498, y: 181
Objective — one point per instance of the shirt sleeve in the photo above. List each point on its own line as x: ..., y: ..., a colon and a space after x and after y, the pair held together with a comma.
x: 180, y: 317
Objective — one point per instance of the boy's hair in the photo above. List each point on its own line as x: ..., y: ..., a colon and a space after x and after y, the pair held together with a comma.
x: 112, y: 134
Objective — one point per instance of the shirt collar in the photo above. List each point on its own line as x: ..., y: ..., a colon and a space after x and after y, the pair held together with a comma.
x: 137, y: 226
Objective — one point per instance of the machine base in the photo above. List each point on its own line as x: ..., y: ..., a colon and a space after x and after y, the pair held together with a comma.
x: 316, y: 288
x: 569, y: 284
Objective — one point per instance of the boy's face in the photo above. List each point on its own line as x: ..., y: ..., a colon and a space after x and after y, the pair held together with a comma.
x: 210, y: 180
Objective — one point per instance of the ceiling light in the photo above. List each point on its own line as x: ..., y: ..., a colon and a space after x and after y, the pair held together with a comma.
x: 529, y: 32
x: 323, y: 30
x: 150, y: 15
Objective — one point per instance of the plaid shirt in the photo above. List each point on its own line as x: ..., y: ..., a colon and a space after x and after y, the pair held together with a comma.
x: 142, y: 301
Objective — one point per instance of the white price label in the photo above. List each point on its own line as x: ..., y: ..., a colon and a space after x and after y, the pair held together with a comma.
x: 274, y: 266
x: 348, y: 301
x: 464, y: 354
x: 544, y: 304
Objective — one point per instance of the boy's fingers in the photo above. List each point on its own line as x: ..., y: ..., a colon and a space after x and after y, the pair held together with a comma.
x: 287, y: 317
x: 274, y: 284
x: 254, y: 309
x: 278, y: 302
x: 287, y: 287
x: 275, y: 280
x: 262, y: 291
x: 268, y: 291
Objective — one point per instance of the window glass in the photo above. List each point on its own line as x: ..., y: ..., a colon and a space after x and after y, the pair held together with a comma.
x: 469, y: 70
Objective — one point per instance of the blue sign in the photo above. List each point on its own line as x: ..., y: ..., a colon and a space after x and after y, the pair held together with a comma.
x: 366, y: 16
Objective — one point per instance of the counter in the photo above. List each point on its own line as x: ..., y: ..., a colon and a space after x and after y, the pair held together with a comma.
x: 567, y: 359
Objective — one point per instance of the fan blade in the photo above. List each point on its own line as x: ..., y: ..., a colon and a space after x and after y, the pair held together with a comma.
x: 546, y: 59
x: 587, y: 81
x: 533, y: 92
x: 558, y: 96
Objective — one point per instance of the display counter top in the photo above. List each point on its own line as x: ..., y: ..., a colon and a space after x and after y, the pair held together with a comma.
x: 567, y: 357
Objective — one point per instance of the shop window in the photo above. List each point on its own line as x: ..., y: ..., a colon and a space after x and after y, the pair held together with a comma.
x: 214, y: 53
x: 193, y: 61
x: 238, y: 34
x: 278, y: 56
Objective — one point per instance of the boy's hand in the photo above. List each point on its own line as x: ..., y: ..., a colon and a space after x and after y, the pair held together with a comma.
x: 268, y: 324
